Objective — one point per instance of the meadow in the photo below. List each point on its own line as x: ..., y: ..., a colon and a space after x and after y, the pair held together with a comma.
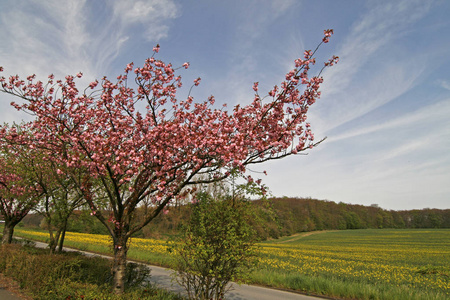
x: 360, y: 264
x: 348, y: 264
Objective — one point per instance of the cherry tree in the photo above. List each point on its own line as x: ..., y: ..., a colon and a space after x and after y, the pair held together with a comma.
x: 18, y: 193
x: 162, y: 152
x: 61, y: 198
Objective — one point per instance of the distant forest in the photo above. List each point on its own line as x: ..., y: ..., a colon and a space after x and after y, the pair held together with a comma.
x: 276, y: 217
x: 293, y: 215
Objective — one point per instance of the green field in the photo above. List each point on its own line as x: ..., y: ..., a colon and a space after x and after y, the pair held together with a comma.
x: 361, y: 264
x: 351, y: 264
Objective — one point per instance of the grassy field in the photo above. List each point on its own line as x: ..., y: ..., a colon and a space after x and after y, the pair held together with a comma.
x: 361, y: 264
x: 352, y: 264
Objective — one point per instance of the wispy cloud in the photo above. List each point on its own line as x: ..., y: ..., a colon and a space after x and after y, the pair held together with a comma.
x: 428, y: 117
x: 383, y: 22
x: 445, y: 84
x: 150, y: 13
x: 248, y: 49
x: 259, y: 17
x: 349, y: 90
x: 44, y: 37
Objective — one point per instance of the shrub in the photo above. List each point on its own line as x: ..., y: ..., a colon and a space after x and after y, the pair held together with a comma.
x: 217, y: 247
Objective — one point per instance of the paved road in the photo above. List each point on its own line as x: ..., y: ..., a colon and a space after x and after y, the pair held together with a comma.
x: 7, y: 295
x: 9, y: 289
x: 161, y: 277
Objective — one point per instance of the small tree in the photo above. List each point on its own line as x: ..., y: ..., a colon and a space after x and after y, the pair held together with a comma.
x: 57, y: 192
x: 18, y: 192
x: 62, y: 197
x: 57, y: 206
x: 217, y: 247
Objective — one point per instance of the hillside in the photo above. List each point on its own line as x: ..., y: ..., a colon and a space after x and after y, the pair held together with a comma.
x: 298, y: 215
x: 278, y: 217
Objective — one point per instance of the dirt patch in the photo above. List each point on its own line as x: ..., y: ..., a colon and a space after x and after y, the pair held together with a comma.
x: 299, y: 236
x: 9, y: 284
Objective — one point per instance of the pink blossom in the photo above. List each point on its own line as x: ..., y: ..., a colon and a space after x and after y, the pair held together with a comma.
x: 129, y: 67
x: 143, y: 142
x: 327, y: 33
x: 93, y: 84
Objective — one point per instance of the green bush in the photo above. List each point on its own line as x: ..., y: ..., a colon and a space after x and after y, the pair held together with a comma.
x: 217, y: 247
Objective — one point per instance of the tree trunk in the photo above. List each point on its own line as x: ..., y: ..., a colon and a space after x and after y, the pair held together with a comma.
x: 63, y: 235
x: 53, y: 240
x: 8, y: 232
x: 120, y: 264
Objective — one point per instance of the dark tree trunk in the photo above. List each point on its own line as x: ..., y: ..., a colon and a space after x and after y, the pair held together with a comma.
x: 8, y: 232
x: 63, y: 235
x: 120, y: 264
x: 54, y: 237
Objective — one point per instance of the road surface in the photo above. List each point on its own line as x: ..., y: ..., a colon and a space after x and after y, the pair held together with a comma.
x: 7, y: 295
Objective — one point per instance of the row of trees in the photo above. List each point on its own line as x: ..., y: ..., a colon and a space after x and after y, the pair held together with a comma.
x: 275, y: 217
x: 286, y: 216
x: 98, y: 146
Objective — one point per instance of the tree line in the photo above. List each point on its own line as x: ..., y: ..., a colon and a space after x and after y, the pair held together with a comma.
x: 293, y: 215
x: 276, y: 217
x: 283, y: 216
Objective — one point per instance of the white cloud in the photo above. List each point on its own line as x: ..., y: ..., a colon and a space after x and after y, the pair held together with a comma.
x: 150, y: 13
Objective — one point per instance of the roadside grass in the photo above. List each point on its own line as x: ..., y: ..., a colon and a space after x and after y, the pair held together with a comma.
x: 73, y: 276
x: 352, y: 264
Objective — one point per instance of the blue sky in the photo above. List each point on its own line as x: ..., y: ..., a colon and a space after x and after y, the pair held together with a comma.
x: 385, y: 107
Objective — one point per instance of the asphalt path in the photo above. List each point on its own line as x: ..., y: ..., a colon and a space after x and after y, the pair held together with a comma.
x: 7, y: 295
x: 161, y: 277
